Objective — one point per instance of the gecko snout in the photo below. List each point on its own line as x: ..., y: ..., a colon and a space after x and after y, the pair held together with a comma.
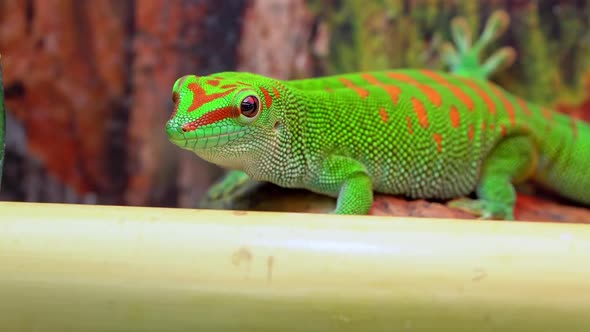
x: 174, y: 130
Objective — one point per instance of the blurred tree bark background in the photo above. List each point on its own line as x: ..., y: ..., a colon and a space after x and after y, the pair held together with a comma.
x: 88, y: 83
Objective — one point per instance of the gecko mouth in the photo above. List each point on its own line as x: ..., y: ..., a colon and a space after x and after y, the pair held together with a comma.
x: 201, y: 141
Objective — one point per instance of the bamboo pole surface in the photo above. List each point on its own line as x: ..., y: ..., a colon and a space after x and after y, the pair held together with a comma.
x: 104, y: 268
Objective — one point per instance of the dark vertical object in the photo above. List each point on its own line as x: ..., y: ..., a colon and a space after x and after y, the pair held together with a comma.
x: 171, y: 39
x: 2, y: 124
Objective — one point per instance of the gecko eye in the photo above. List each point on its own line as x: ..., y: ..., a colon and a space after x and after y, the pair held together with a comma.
x: 249, y: 106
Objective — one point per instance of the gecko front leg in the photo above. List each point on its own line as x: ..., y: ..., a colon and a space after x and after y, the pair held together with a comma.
x: 229, y: 191
x: 346, y: 179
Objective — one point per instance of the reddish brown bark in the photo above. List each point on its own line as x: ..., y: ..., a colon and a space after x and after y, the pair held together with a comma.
x: 173, y: 38
x: 528, y: 208
x: 65, y: 72
x: 279, y: 47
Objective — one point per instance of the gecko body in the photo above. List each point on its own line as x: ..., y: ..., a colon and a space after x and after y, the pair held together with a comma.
x: 412, y: 132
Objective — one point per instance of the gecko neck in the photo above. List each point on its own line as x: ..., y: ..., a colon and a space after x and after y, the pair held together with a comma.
x: 273, y: 155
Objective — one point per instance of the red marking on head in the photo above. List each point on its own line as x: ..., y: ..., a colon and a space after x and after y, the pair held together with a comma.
x: 276, y: 92
x: 200, y: 96
x: 574, y: 127
x: 492, y: 126
x: 483, y: 126
x: 507, y: 104
x: 432, y: 95
x: 462, y: 96
x: 363, y: 93
x: 482, y: 94
x: 455, y: 117
x: 410, y: 128
x: 438, y: 139
x: 392, y: 90
x: 267, y: 98
x: 213, y: 82
x: 329, y: 90
x: 228, y: 86
x: 384, y: 115
x: 523, y: 106
x: 211, y: 117
x: 420, y: 112
x: 244, y: 83
x: 503, y: 130
x: 471, y: 132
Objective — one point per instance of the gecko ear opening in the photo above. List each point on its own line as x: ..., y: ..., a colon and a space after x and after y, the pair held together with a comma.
x: 277, y: 127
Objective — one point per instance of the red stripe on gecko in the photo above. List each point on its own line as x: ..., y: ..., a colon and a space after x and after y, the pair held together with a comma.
x: 462, y: 96
x: 211, y: 117
x: 507, y: 104
x: 438, y: 139
x: 392, y: 90
x: 363, y: 93
x: 547, y: 114
x: 455, y: 117
x: 276, y: 92
x: 482, y: 94
x: 410, y: 128
x: 420, y: 112
x: 384, y: 115
x: 213, y: 82
x: 267, y: 97
x: 200, y: 96
x: 523, y: 106
x: 432, y: 95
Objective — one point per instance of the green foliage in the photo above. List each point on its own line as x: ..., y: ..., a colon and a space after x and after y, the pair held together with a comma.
x: 551, y: 40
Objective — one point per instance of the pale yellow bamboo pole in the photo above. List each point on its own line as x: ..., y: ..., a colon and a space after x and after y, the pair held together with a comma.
x: 93, y: 268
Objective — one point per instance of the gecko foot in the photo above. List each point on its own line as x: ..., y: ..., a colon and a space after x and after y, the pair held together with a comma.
x: 230, y: 192
x: 464, y: 58
x: 483, y: 209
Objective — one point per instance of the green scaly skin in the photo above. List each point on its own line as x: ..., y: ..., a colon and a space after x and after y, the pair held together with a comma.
x: 418, y: 133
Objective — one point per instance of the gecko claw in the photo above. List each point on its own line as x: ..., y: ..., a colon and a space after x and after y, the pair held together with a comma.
x: 484, y: 210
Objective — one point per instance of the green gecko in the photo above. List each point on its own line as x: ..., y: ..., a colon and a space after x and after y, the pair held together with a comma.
x: 413, y: 132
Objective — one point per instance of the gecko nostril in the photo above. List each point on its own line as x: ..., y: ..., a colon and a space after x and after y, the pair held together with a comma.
x: 184, y: 129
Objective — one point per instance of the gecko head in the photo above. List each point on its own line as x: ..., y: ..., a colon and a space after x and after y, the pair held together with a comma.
x: 222, y: 112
